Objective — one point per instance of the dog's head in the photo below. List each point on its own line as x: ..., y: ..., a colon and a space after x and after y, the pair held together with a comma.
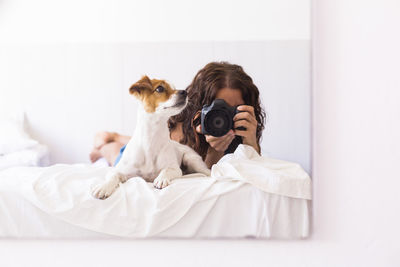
x: 158, y: 96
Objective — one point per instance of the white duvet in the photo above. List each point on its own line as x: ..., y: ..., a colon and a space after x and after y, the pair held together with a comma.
x: 137, y: 209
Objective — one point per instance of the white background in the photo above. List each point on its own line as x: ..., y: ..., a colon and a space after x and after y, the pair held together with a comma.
x: 70, y: 91
x: 45, y: 21
x: 69, y: 64
x: 356, y: 153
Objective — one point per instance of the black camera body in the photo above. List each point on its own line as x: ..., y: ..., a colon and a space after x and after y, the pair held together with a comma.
x: 217, y: 118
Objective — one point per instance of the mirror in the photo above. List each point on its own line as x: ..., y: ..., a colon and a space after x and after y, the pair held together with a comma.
x: 64, y: 82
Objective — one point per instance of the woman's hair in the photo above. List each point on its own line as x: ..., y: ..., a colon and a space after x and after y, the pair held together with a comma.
x: 202, y: 91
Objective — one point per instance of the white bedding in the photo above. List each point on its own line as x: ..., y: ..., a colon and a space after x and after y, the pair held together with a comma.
x: 36, y: 155
x: 17, y: 148
x: 246, y: 195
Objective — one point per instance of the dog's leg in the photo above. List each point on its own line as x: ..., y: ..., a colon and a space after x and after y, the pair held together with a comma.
x: 195, y: 163
x: 105, y: 189
x: 166, y: 176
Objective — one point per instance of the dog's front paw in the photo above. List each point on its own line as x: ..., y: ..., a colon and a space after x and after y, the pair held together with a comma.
x: 104, y: 190
x: 161, y: 182
x: 206, y: 172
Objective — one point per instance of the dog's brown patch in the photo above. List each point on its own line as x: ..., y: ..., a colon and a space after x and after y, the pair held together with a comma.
x: 145, y: 90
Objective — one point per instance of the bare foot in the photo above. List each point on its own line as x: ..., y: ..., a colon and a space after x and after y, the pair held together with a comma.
x: 95, y: 155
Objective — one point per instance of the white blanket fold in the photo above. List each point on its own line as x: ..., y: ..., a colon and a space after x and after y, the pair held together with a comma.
x: 270, y: 175
x: 137, y: 209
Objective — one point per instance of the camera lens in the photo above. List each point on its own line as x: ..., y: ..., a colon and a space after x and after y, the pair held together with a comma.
x: 218, y: 123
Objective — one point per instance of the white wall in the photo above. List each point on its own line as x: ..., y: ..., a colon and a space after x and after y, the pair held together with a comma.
x: 68, y: 64
x: 71, y: 91
x: 356, y: 154
x: 48, y: 21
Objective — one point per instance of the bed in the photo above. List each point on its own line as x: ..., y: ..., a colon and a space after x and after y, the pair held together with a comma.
x: 17, y: 148
x: 246, y: 196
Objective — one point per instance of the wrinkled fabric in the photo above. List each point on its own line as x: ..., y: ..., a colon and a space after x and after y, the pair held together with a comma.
x: 136, y: 208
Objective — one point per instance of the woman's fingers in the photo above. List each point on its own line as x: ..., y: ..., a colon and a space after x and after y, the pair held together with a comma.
x: 220, y: 143
x: 249, y: 109
x: 224, y: 144
x: 245, y: 116
x: 248, y: 128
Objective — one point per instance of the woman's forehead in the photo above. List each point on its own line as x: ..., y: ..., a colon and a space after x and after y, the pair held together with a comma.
x: 231, y: 96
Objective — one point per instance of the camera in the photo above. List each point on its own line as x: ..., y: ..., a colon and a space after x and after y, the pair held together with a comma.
x: 217, y: 118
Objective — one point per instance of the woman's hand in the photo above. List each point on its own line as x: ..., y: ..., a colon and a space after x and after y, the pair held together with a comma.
x: 219, y: 144
x: 246, y: 118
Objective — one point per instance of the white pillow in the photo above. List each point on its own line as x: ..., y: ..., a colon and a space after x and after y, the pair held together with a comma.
x: 35, y: 156
x: 13, y: 137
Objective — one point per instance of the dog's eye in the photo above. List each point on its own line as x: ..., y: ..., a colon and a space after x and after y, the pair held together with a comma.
x: 160, y: 89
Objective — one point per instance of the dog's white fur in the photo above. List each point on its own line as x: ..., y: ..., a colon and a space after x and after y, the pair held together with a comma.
x: 151, y: 154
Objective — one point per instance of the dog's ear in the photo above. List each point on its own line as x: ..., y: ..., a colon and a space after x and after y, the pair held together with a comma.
x: 140, y: 86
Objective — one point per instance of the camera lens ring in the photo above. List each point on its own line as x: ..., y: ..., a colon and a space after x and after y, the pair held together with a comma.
x: 217, y: 122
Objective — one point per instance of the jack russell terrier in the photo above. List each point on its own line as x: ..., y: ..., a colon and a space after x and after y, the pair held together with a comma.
x: 150, y: 153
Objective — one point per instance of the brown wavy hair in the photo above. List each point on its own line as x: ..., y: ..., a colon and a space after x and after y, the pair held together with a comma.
x: 202, y: 91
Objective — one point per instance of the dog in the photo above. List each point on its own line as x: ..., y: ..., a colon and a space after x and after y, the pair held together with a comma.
x: 150, y: 153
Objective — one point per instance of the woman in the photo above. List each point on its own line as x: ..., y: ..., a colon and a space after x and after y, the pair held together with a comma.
x: 216, y: 80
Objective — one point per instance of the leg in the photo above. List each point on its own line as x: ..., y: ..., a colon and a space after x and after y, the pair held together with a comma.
x: 102, y: 138
x: 166, y: 176
x: 192, y: 160
x: 118, y: 174
x: 105, y: 189
x: 195, y: 163
x: 109, y: 151
x: 95, y: 155
x: 106, y: 145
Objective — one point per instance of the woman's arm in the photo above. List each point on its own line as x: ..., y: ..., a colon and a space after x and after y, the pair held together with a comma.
x: 218, y: 146
x: 212, y: 157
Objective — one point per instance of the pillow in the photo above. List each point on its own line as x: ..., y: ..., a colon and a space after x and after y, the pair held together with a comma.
x: 13, y: 137
x: 37, y: 155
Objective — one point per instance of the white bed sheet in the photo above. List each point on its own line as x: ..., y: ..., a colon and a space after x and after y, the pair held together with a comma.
x: 36, y: 155
x: 245, y: 212
x: 239, y: 200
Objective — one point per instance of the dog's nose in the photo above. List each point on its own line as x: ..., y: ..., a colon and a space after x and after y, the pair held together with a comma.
x: 182, y: 93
